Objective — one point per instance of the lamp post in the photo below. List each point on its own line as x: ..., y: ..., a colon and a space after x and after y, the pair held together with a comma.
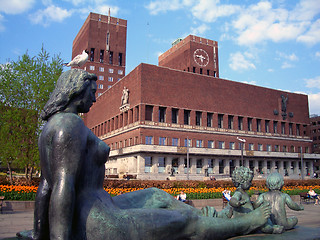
x: 242, y: 141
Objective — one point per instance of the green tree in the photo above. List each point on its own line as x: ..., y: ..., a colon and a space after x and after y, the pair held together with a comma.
x: 25, y: 86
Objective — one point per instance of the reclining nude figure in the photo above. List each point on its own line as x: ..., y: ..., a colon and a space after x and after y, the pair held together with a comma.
x: 71, y: 202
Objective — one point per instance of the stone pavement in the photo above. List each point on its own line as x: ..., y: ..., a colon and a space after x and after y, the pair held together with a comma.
x: 308, y: 227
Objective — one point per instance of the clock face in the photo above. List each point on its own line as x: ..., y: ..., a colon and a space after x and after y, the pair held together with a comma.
x: 201, y: 57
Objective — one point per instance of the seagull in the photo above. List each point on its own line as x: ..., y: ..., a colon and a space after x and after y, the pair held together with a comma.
x: 79, y: 60
x: 241, y: 140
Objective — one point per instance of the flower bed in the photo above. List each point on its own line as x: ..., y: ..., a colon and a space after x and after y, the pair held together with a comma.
x: 27, y: 193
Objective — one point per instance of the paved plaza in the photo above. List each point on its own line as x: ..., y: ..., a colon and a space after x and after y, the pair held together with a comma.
x: 308, y: 227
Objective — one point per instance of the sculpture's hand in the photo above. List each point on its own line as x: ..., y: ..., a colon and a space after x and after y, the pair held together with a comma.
x: 243, y: 202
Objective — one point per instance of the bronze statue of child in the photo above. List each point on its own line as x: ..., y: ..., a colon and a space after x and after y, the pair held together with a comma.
x: 240, y: 201
x: 278, y: 221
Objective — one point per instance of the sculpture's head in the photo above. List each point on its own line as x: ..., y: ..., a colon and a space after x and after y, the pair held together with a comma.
x: 275, y: 181
x: 242, y: 177
x: 70, y: 85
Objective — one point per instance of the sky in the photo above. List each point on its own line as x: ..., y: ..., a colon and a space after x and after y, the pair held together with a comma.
x: 274, y: 44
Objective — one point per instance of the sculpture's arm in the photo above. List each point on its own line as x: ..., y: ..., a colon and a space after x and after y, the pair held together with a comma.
x: 68, y: 146
x: 259, y: 201
x: 236, y: 201
x: 291, y: 204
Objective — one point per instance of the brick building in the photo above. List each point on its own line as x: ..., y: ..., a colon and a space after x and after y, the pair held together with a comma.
x: 315, y: 136
x: 157, y: 117
x: 104, y: 38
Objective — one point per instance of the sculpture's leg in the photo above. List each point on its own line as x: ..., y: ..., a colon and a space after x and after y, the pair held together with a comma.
x: 291, y: 222
x: 219, y: 228
x: 41, y: 218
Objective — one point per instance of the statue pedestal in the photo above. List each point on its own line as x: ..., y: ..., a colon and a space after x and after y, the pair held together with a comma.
x: 206, y: 178
x: 172, y: 178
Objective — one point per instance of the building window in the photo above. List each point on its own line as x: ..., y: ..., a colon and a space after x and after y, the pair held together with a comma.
x: 91, y: 68
x: 249, y: 124
x: 267, y: 126
x: 148, y: 113
x: 199, y: 143
x: 101, y: 78
x: 230, y: 122
x: 268, y: 147
x: 240, y: 123
x: 111, y: 70
x: 275, y: 127
x: 149, y: 140
x: 110, y: 79
x: 220, y: 120
x: 221, y: 145
x: 187, y: 117
x: 260, y: 147
x: 162, y: 141
x: 100, y: 86
x: 201, y: 70
x: 175, y: 141
x: 161, y: 164
x: 306, y: 150
x: 198, y: 118
x: 258, y: 125
x: 292, y: 148
x: 101, y: 55
x: 194, y: 69
x: 221, y: 166
x: 147, y: 164
x: 109, y: 86
x: 110, y: 57
x: 290, y: 129
x: 199, y: 166
x: 174, y: 115
x: 92, y: 54
x: 283, y: 128
x: 276, y: 148
x: 120, y: 72
x: 298, y: 129
x: 209, y: 119
x: 210, y: 144
x: 251, y: 146
x: 120, y: 59
x: 231, y: 145
x: 101, y: 69
x: 99, y: 94
x: 187, y: 142
x: 162, y: 114
x: 284, y: 148
x: 208, y: 72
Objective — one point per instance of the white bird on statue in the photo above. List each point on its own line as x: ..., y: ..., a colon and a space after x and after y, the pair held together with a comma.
x: 79, y: 60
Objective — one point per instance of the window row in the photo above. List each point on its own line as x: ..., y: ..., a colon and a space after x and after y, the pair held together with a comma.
x: 208, y: 119
x: 198, y: 143
x: 111, y: 70
x: 110, y: 57
x: 202, y: 71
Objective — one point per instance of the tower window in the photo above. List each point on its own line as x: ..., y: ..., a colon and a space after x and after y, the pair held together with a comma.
x: 101, y: 55
x: 92, y: 55
x: 110, y: 57
x: 120, y: 59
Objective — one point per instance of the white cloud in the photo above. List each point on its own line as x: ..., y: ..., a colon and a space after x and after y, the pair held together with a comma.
x: 2, y: 28
x: 158, y: 6
x: 305, y: 10
x: 239, y: 61
x: 317, y: 54
x: 260, y: 22
x: 15, y: 6
x: 200, y: 29
x: 290, y: 57
x: 286, y: 65
x: 210, y: 10
x: 312, y: 36
x: 50, y: 14
x: 313, y: 82
x: 314, y: 103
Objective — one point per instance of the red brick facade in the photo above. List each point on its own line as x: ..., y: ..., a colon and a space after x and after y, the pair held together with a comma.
x: 104, y: 38
x: 167, y: 106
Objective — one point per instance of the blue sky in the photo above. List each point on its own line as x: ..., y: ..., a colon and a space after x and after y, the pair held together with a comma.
x: 274, y: 44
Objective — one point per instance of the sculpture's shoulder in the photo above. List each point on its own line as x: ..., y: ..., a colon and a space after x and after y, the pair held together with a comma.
x: 65, y: 126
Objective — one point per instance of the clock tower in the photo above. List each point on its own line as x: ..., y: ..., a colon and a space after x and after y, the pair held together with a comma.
x: 192, y: 54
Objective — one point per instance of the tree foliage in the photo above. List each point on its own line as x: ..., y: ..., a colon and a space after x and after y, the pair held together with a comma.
x: 25, y: 86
